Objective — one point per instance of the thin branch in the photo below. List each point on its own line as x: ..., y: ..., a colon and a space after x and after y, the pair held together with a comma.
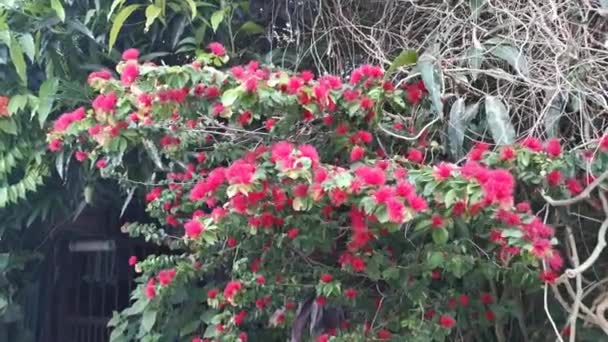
x: 583, y: 195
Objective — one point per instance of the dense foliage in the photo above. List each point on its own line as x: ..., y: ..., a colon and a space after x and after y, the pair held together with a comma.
x: 294, y: 211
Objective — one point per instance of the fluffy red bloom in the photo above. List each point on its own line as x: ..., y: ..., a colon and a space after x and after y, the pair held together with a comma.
x: 383, y: 335
x: 371, y: 175
x: 130, y: 54
x: 240, y: 172
x: 437, y: 221
x: 326, y: 278
x: 129, y: 74
x: 101, y: 163
x: 415, y: 92
x: 490, y: 316
x: 231, y: 289
x: 496, y: 237
x: 321, y: 300
x: 132, y: 260
x: 243, y: 336
x: 95, y: 76
x: 446, y: 321
x: 55, y: 145
x: 211, y: 294
x: 396, y: 210
x: 442, y: 171
x: 193, y: 228
x: 532, y: 144
x: 251, y: 85
x: 165, y: 277
x: 553, y: 148
x: 240, y: 317
x: 67, y: 119
x: 415, y: 156
x: 417, y: 203
x: 554, y: 178
x: 351, y: 293
x: 507, y: 153
x: 541, y: 247
x: 80, y: 155
x: 150, y: 289
x: 486, y: 298
x: 323, y: 338
x: 603, y: 143
x: 309, y: 152
x: 555, y: 261
x: 357, y: 264
x: 574, y: 186
x: 245, y: 118
x: 523, y: 207
x: 217, y: 109
x: 463, y: 299
x: 293, y: 233
x: 217, y: 49
x: 105, y: 102
x: 357, y: 153
x: 548, y: 277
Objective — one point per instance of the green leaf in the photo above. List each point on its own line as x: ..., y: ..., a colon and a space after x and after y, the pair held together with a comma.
x: 16, y: 53
x: 406, y: 57
x: 58, y: 8
x: 474, y: 60
x: 513, y: 56
x: 8, y: 126
x: 499, y: 122
x: 147, y: 320
x: 435, y: 259
x: 152, y: 13
x: 432, y: 77
x: 192, y: 6
x: 119, y: 21
x: 216, y: 19
x: 231, y: 95
x: 59, y: 163
x: 554, y: 114
x: 476, y: 7
x: 456, y: 129
x: 114, y: 6
x: 4, y: 258
x: 17, y: 104
x: 440, y: 236
x: 251, y: 28
x: 28, y: 46
x: 46, y: 96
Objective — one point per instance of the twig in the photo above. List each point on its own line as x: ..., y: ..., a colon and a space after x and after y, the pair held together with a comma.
x: 546, y: 306
x: 583, y: 195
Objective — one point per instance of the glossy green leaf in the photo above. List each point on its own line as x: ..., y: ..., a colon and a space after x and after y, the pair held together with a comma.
x: 58, y: 8
x: 432, y: 76
x: 46, y: 96
x: 119, y: 21
x: 216, y: 19
x: 17, y: 104
x: 456, y: 129
x: 231, y: 95
x: 512, y: 56
x: 152, y: 13
x: 28, y: 46
x: 251, y: 28
x: 440, y: 236
x: 192, y: 6
x: 147, y: 320
x: 16, y: 53
x: 499, y: 122
x: 406, y: 57
x: 115, y: 4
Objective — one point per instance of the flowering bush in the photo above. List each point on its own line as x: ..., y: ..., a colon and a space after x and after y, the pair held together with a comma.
x: 293, y: 216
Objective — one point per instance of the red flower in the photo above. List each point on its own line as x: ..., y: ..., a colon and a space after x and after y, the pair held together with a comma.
x: 604, y: 143
x: 415, y: 156
x: 371, y: 175
x: 129, y: 74
x: 293, y: 233
x: 442, y: 171
x: 55, y: 145
x: 464, y: 300
x: 327, y: 278
x: 554, y: 178
x: 486, y: 298
x: 357, y: 153
x: 532, y: 144
x: 384, y: 335
x: 217, y: 49
x: 130, y: 54
x: 217, y: 109
x: 132, y: 260
x: 231, y: 242
x: 447, y: 321
x: 4, y: 100
x: 150, y: 289
x: 574, y: 186
x: 243, y: 336
x: 269, y: 124
x: 323, y: 338
x: 357, y: 264
x: 231, y: 289
x: 555, y: 261
x: 415, y: 92
x: 240, y: 317
x: 417, y: 203
x: 490, y: 316
x: 436, y: 274
x: 507, y: 153
x: 437, y: 221
x: 548, y: 277
x: 101, y: 164
x: 553, y: 148
x: 165, y: 277
x: 351, y: 293
x: 211, y: 294
x: 240, y: 172
x: 193, y: 229
x: 251, y: 85
x: 81, y: 155
x: 105, y: 102
x: 396, y: 210
x: 245, y: 118
x: 321, y: 300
